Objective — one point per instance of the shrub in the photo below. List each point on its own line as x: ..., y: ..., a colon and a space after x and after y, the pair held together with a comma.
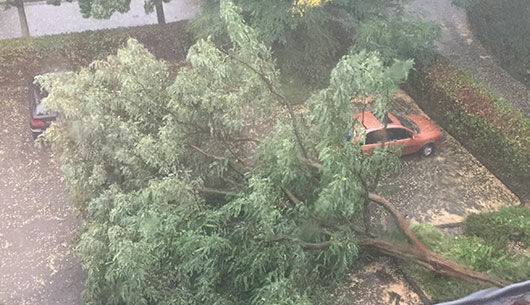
x: 493, y: 131
x: 396, y: 38
x: 23, y: 58
x: 499, y: 228
x: 438, y: 288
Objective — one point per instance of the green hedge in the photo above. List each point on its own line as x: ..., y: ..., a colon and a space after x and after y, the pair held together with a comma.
x: 503, y: 27
x: 24, y: 57
x: 500, y: 227
x: 495, y: 133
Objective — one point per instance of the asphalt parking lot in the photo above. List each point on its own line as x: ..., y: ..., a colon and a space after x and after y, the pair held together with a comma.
x: 445, y: 187
x: 37, y: 226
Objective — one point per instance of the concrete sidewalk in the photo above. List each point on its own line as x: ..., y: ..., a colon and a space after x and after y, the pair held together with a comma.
x: 45, y: 19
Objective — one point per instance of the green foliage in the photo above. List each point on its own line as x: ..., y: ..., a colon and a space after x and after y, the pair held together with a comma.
x: 500, y: 227
x: 5, y: 4
x: 439, y: 289
x: 471, y: 251
x: 306, y: 45
x: 503, y: 27
x: 492, y: 145
x: 396, y: 38
x: 21, y: 59
x: 496, y: 133
x: 345, y: 83
x: 141, y: 153
x: 462, y: 3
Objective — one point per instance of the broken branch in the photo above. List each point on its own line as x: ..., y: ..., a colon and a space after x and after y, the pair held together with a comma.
x: 402, y: 222
x: 233, y: 166
x: 290, y: 195
x: 430, y: 260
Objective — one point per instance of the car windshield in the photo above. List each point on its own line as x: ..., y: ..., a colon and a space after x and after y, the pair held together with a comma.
x: 407, y: 122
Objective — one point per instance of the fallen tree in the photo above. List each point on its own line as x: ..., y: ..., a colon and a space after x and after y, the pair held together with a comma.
x: 211, y: 188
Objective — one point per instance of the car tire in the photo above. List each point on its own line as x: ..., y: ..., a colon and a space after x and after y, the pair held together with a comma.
x: 35, y: 135
x: 427, y: 150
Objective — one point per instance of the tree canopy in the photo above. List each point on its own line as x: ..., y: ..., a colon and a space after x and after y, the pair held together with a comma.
x: 213, y: 187
x: 308, y: 37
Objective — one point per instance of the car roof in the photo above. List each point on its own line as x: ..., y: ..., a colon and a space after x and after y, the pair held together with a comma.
x: 369, y: 121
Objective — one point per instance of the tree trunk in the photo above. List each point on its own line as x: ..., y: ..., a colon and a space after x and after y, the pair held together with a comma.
x: 431, y: 261
x: 22, y: 17
x: 160, y: 12
x: 418, y: 253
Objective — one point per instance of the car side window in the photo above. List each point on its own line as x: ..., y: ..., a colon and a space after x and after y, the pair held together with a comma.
x: 376, y: 136
x: 395, y: 134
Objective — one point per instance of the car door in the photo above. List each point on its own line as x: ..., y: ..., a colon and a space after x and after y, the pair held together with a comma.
x: 374, y: 139
x: 402, y: 137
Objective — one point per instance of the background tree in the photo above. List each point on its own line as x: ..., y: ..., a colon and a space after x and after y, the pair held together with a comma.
x: 214, y: 188
x: 159, y: 7
x: 104, y: 9
x: 308, y: 37
x: 19, y: 4
x: 99, y: 9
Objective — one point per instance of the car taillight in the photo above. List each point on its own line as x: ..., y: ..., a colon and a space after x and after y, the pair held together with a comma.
x: 37, y: 123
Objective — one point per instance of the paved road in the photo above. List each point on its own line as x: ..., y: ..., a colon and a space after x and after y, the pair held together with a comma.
x: 44, y: 19
x: 457, y: 43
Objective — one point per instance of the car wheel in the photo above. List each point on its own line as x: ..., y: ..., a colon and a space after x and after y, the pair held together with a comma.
x: 427, y: 149
x: 35, y: 135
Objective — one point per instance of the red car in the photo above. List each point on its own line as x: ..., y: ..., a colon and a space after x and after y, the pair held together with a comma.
x: 414, y: 133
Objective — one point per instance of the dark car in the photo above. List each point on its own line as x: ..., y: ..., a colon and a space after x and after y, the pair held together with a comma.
x: 40, y: 117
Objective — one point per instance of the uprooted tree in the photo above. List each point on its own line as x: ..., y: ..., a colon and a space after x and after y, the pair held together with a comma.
x: 213, y: 188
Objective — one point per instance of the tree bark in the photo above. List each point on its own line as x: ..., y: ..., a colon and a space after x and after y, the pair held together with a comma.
x: 401, y: 221
x: 159, y: 6
x: 431, y: 261
x: 418, y: 253
x: 22, y: 18
x: 291, y: 197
